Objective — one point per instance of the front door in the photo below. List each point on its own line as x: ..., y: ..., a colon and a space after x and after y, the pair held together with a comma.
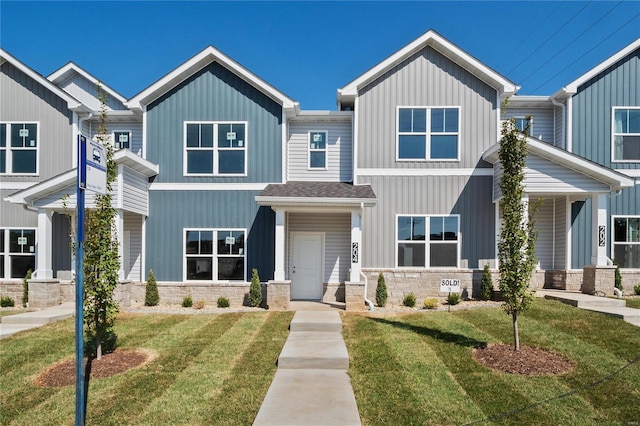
x: 305, y: 268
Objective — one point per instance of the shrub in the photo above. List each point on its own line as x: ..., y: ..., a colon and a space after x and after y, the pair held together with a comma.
x: 409, y: 300
x: 636, y: 289
x: 223, y: 302
x: 198, y: 305
x: 187, y: 302
x: 7, y: 302
x: 25, y: 288
x: 255, y: 291
x: 453, y: 298
x: 151, y: 296
x: 486, y: 284
x: 618, y: 279
x: 381, y: 291
x: 431, y: 303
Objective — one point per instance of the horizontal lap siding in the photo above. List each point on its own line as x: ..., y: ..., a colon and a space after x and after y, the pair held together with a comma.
x: 60, y: 246
x: 135, y: 128
x: 133, y: 225
x: 544, y: 225
x: 62, y: 199
x: 543, y: 121
x: 560, y: 233
x: 560, y: 123
x: 337, y: 241
x: 339, y: 152
x: 134, y: 192
x: 544, y: 175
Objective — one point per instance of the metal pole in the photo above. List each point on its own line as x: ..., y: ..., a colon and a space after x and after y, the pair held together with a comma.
x: 80, y: 394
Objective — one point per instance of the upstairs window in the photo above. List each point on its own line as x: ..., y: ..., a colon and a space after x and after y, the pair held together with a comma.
x: 428, y: 134
x: 626, y: 134
x: 215, y: 149
x: 626, y: 241
x: 318, y: 150
x: 428, y: 241
x: 122, y: 140
x: 524, y: 125
x: 19, y: 148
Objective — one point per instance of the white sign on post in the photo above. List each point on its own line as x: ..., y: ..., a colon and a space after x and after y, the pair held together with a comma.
x: 96, y: 167
x: 450, y: 285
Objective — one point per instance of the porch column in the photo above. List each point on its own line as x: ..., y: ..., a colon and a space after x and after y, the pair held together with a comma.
x: 599, y: 229
x: 356, y: 237
x: 43, y: 246
x: 278, y: 273
x: 120, y: 236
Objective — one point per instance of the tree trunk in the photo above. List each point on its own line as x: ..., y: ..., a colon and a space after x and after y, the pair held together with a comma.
x: 516, y: 339
x: 98, y: 347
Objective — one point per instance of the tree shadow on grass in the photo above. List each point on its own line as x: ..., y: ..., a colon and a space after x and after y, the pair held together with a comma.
x: 435, y: 333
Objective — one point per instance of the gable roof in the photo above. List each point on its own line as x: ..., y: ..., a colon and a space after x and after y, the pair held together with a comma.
x: 572, y: 88
x: 443, y: 46
x: 65, y: 72
x: 195, y: 64
x: 72, y: 103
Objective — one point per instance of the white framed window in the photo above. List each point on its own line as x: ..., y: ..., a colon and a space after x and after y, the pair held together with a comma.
x: 428, y: 134
x: 428, y: 241
x: 215, y: 148
x: 625, y: 244
x: 121, y: 139
x: 17, y: 252
x: 525, y: 125
x: 317, y: 150
x: 215, y: 254
x: 626, y: 134
x: 19, y: 146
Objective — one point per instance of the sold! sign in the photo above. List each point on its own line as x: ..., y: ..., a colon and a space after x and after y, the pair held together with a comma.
x: 450, y: 285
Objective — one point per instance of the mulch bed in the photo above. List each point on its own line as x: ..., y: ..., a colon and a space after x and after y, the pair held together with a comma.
x: 64, y: 373
x: 528, y: 361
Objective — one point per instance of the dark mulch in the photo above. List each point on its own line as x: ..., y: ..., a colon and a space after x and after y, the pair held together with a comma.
x: 528, y: 361
x: 64, y: 373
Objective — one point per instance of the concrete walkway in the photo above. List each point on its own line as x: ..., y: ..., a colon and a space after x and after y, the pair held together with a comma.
x: 311, y: 386
x: 12, y: 324
x: 605, y: 305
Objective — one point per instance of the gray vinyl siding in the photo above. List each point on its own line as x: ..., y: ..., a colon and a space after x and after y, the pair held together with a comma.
x: 544, y: 225
x: 560, y: 238
x: 134, y: 190
x: 133, y: 225
x: 134, y: 127
x: 543, y: 121
x: 15, y: 215
x: 470, y: 197
x: 427, y: 78
x: 581, y: 234
x: 592, y: 109
x: 25, y: 100
x: 215, y: 94
x: 86, y: 92
x: 61, y: 248
x: 339, y: 152
x: 559, y: 124
x: 173, y: 211
x: 337, y: 241
x: 68, y: 196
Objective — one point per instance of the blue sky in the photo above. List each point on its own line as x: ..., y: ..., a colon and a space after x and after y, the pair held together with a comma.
x: 309, y: 49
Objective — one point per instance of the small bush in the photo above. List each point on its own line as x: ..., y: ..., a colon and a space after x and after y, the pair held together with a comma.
x: 618, y: 277
x: 453, y: 298
x: 223, y: 302
x: 151, y: 296
x: 7, y: 302
x: 255, y: 291
x: 187, y: 302
x: 381, y: 291
x: 636, y: 289
x: 431, y: 303
x: 409, y: 300
x: 198, y: 305
x: 25, y: 288
x: 486, y: 284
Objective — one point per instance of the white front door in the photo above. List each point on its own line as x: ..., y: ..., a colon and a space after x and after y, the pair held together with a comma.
x: 305, y: 267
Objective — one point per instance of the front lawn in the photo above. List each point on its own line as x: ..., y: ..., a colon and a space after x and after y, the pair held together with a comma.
x: 633, y: 302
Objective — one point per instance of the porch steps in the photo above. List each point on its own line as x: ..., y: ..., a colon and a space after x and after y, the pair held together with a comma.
x: 608, y: 306
x: 630, y: 315
x: 327, y: 321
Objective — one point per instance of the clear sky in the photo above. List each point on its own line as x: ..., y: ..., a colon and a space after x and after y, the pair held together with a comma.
x: 309, y: 49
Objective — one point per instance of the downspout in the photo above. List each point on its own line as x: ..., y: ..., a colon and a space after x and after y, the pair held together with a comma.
x: 564, y: 119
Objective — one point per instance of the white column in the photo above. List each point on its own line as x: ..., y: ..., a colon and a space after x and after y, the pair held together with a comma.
x: 278, y: 273
x: 356, y: 246
x: 43, y: 247
x: 599, y: 229
x: 120, y: 236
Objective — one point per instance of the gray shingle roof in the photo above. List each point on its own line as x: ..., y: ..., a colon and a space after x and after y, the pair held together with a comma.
x: 296, y: 189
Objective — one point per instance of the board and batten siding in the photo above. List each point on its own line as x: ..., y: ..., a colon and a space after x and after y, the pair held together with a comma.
x: 337, y: 241
x: 173, y: 211
x: 135, y: 196
x: 133, y: 227
x: 215, y: 94
x: 339, y: 152
x: 15, y: 215
x: 619, y: 85
x: 427, y: 78
x: 543, y: 121
x: 86, y: 92
x: 470, y: 197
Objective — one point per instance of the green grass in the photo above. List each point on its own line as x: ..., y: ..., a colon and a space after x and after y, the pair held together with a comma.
x: 633, y: 302
x: 418, y: 369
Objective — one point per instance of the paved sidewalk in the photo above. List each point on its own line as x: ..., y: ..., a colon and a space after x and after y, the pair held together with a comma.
x: 12, y: 324
x: 606, y: 305
x: 311, y: 386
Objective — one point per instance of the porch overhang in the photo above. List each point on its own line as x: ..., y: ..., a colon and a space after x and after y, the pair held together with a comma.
x: 326, y: 195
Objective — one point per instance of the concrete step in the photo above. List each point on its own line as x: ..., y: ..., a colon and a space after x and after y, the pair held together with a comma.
x: 7, y: 330
x: 633, y: 320
x: 326, y: 321
x: 618, y: 312
x: 42, y: 317
x: 602, y: 302
x: 314, y: 350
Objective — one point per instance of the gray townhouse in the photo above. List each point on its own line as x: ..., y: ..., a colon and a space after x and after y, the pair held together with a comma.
x: 220, y: 173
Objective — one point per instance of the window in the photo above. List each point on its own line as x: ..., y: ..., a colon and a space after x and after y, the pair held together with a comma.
x: 428, y: 133
x: 215, y: 254
x: 626, y: 241
x: 626, y: 134
x: 215, y: 149
x: 17, y: 252
x: 317, y: 150
x: 19, y: 148
x: 524, y: 125
x: 122, y: 140
x: 428, y: 241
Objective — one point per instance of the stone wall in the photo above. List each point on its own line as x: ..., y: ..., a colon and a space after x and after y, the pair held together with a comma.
x: 174, y: 292
x: 12, y: 289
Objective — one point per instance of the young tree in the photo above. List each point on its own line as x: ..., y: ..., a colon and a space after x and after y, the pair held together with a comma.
x: 101, y: 262
x: 255, y: 289
x: 381, y: 291
x: 516, y: 247
x: 151, y: 296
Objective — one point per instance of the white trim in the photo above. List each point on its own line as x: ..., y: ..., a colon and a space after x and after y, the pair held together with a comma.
x: 120, y: 187
x: 569, y: 230
x: 216, y: 149
x: 313, y: 201
x: 113, y: 138
x: 325, y: 150
x: 612, y: 242
x: 285, y: 148
x: 8, y: 148
x: 428, y: 134
x: 427, y: 242
x: 634, y: 173
x: 427, y: 172
x: 214, y: 256
x: 213, y: 186
x: 144, y: 132
x: 613, y: 133
x: 354, y: 139
x: 143, y: 250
